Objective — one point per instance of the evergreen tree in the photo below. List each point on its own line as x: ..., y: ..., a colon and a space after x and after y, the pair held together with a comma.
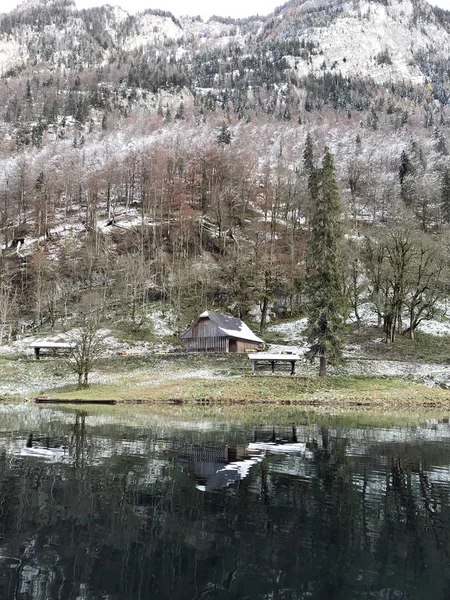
x: 28, y: 92
x: 224, y: 136
x: 440, y: 143
x: 405, y: 168
x: 308, y: 154
x: 180, y: 112
x: 326, y: 304
x: 445, y: 195
x: 310, y: 168
x: 37, y: 134
x: 406, y: 171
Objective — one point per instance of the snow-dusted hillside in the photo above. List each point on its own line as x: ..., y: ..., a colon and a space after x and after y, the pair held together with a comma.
x: 149, y: 159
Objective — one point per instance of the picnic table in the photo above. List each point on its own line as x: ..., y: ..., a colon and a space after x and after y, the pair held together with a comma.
x: 54, y: 346
x: 272, y: 359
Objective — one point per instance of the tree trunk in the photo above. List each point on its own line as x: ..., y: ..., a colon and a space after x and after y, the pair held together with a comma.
x: 357, y: 316
x: 323, y: 365
x: 325, y: 433
x: 265, y: 306
x: 389, y: 328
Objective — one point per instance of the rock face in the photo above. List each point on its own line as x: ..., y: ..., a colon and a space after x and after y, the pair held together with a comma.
x: 385, y: 40
x: 381, y: 40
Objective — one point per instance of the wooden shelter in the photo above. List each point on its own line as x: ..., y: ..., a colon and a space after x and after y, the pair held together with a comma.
x: 215, y: 332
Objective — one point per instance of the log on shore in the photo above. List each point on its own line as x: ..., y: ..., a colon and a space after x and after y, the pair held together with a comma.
x: 62, y: 401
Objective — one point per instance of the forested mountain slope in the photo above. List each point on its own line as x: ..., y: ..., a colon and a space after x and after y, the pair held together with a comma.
x: 147, y: 158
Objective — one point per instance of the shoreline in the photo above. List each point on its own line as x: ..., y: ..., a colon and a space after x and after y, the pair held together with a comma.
x: 401, y: 397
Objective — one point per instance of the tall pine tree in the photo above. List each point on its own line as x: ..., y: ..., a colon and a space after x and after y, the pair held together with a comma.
x: 312, y: 174
x: 406, y: 172
x: 310, y: 168
x: 445, y: 195
x: 324, y: 284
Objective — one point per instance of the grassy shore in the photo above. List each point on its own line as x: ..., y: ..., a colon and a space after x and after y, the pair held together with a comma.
x: 216, y: 379
x: 306, y: 391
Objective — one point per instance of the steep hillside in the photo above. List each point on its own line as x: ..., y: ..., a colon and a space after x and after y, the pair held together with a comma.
x: 150, y: 159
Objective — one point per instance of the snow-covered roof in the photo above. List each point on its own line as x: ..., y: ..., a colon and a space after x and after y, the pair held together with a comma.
x: 226, y: 326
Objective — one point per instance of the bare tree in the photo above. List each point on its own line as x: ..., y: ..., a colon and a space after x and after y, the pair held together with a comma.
x: 405, y: 269
x: 8, y: 307
x: 356, y: 285
x: 88, y: 345
x: 426, y: 282
x: 388, y: 259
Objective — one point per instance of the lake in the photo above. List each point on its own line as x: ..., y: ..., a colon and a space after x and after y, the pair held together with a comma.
x: 114, y: 507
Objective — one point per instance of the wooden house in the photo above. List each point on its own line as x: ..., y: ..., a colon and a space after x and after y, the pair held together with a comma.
x: 215, y: 332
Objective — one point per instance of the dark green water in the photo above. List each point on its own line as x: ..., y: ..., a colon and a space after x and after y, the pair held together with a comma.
x: 94, y: 507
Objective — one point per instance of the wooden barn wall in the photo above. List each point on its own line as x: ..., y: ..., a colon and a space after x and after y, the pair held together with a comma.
x: 205, y: 328
x: 207, y: 344
x: 244, y: 346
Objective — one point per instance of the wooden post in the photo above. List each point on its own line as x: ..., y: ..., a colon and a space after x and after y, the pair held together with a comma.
x: 36, y: 352
x: 292, y: 367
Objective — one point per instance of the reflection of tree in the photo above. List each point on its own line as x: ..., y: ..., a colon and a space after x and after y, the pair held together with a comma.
x: 334, y: 525
x: 78, y: 439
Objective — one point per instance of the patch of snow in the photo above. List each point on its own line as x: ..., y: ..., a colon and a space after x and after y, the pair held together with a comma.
x: 435, y: 327
x: 294, y: 330
x: 285, y: 349
x: 161, y: 321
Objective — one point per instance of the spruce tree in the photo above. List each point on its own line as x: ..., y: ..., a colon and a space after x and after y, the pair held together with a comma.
x: 312, y: 172
x: 224, y: 137
x: 445, y: 195
x: 308, y: 154
x: 406, y: 171
x: 325, y: 298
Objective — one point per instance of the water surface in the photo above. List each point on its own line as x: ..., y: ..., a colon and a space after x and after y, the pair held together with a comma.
x: 101, y: 507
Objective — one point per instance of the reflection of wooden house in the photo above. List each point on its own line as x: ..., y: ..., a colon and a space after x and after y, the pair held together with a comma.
x: 214, y: 332
x: 216, y: 467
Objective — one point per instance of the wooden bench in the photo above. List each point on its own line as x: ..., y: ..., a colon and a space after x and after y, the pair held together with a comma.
x: 53, y: 346
x: 261, y: 357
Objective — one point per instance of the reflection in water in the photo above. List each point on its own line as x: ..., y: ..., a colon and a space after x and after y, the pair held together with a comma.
x: 43, y: 447
x: 124, y: 512
x: 214, y: 467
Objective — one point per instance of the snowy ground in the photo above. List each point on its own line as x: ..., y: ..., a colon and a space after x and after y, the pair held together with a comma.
x: 430, y: 374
